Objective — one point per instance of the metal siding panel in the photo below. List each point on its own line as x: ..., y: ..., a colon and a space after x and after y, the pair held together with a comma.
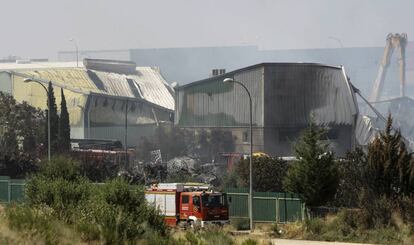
x: 295, y: 91
x: 214, y: 104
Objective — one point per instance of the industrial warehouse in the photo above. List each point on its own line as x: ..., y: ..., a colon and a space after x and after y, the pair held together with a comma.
x: 285, y: 97
x: 207, y: 122
x: 106, y: 99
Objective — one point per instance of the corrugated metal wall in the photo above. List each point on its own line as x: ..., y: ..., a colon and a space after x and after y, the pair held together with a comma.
x: 285, y: 95
x: 107, y: 119
x: 214, y: 104
x: 295, y: 91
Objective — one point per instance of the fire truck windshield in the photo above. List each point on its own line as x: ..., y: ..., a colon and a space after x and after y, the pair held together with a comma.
x: 213, y: 200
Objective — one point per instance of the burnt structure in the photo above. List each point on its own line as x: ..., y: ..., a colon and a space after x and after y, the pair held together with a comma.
x: 285, y: 97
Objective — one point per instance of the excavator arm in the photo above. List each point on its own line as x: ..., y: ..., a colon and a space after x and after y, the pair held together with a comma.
x: 393, y: 41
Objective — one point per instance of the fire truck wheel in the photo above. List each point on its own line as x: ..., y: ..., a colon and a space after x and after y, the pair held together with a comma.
x: 191, y: 224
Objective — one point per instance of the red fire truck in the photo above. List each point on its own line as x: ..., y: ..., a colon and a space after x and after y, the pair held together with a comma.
x: 189, y: 203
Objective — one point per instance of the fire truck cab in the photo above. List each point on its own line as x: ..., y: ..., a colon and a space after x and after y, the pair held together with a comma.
x: 189, y: 203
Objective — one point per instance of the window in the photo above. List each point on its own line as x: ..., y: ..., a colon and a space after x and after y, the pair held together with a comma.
x: 245, y: 137
x: 196, y: 201
x: 212, y: 200
x: 185, y: 199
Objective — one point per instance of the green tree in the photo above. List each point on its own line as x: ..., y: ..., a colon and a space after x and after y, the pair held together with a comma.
x: 351, y: 179
x: 19, y: 142
x: 315, y: 173
x: 390, y: 167
x: 54, y: 121
x: 64, y: 126
x: 8, y: 130
x: 268, y: 173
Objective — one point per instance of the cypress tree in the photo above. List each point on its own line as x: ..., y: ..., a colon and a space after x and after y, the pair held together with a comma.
x: 64, y: 127
x: 315, y: 173
x: 54, y: 121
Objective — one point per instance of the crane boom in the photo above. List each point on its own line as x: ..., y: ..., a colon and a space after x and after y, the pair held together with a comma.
x: 393, y: 41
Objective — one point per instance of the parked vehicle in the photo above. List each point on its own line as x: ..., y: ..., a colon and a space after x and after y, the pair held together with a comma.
x: 189, y: 203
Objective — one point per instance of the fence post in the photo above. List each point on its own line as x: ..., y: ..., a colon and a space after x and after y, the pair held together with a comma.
x: 277, y: 210
x: 9, y: 190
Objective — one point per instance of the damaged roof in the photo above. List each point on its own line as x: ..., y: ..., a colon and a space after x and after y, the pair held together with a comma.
x: 146, y: 83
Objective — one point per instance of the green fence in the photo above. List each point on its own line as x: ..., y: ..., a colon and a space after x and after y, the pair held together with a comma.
x: 11, y: 190
x: 267, y: 206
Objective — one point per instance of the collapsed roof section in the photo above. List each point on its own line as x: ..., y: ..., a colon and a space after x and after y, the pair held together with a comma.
x: 143, y: 83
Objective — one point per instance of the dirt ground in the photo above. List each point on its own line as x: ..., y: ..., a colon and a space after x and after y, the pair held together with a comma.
x: 303, y: 242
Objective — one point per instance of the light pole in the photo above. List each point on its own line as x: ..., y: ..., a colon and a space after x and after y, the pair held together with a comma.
x: 231, y: 80
x: 77, y: 51
x: 126, y: 134
x: 28, y: 80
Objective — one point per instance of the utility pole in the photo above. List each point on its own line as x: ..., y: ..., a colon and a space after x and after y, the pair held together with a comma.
x: 126, y: 134
x: 231, y: 80
x: 28, y: 80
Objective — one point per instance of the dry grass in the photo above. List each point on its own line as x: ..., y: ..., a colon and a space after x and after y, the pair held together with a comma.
x: 67, y: 236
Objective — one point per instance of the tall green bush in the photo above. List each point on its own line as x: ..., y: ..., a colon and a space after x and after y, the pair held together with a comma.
x: 58, y: 185
x: 390, y: 167
x: 119, y: 213
x: 315, y: 173
x: 54, y: 121
x: 268, y: 173
x: 64, y: 126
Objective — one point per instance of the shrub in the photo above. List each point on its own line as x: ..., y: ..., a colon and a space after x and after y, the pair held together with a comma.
x: 60, y: 167
x: 114, y: 212
x: 155, y: 238
x: 209, y: 235
x: 376, y: 211
x: 61, y: 195
x: 249, y: 242
x: 34, y: 222
x: 215, y: 236
x: 119, y: 213
x: 268, y: 173
x: 192, y: 238
x: 240, y: 223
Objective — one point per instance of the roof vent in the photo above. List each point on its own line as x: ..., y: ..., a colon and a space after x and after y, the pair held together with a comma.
x: 117, y: 66
x: 217, y: 72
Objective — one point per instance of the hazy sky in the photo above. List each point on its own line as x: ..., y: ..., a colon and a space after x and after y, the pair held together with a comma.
x: 41, y: 28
